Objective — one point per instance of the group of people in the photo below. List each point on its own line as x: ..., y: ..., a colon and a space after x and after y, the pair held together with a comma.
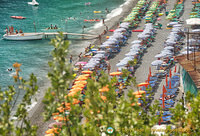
x: 11, y: 30
x: 52, y: 27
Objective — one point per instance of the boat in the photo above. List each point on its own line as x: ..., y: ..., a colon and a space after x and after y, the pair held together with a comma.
x: 92, y: 20
x: 23, y: 36
x: 97, y: 11
x: 88, y: 3
x: 34, y: 3
x: 18, y: 17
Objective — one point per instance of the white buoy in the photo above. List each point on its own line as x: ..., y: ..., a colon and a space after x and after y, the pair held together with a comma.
x: 34, y: 3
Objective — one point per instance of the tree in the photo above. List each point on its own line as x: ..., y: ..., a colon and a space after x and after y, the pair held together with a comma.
x: 17, y: 124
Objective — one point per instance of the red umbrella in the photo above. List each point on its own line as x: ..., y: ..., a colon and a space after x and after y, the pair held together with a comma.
x: 163, y: 97
x: 143, y: 84
x: 149, y: 78
x: 170, y: 84
x: 170, y: 73
x: 150, y: 71
x: 166, y: 80
x: 175, y: 69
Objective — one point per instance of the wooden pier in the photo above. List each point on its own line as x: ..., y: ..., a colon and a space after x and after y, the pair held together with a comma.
x: 46, y: 34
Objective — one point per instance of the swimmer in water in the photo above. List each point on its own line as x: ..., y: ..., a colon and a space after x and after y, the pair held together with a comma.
x: 9, y: 69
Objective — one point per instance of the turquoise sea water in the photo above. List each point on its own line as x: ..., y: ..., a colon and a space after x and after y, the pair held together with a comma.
x: 34, y: 55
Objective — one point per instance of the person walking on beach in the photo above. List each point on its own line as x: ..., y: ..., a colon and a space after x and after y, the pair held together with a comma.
x: 70, y: 59
x: 79, y: 56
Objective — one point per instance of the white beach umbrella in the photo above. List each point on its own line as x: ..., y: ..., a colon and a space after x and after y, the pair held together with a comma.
x: 169, y: 48
x: 131, y: 54
x: 136, y: 46
x: 119, y: 30
x: 173, y: 23
x: 101, y: 52
x: 156, y: 62
x: 136, y: 42
x: 196, y: 30
x: 190, y: 48
x: 193, y: 21
x: 143, y: 36
x: 185, y: 52
x: 134, y: 49
x: 178, y: 25
x: 160, y: 55
x: 98, y: 56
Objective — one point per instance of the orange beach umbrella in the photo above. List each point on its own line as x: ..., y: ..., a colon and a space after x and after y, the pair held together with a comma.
x: 139, y: 92
x: 81, y: 78
x: 76, y: 90
x: 80, y: 82
x: 115, y: 73
x: 52, y: 131
x: 133, y: 104
x: 87, y: 72
x: 143, y: 84
x: 104, y: 89
x: 103, y: 98
x: 138, y: 96
x: 78, y: 86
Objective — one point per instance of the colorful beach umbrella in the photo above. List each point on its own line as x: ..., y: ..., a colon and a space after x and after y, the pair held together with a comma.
x: 138, y: 96
x: 116, y: 73
x: 104, y: 89
x: 143, y: 84
x: 133, y: 104
x: 80, y: 82
x: 78, y: 86
x: 103, y: 98
x: 81, y: 78
x: 76, y: 89
x: 87, y: 72
x: 80, y: 63
x: 52, y: 131
x: 139, y: 92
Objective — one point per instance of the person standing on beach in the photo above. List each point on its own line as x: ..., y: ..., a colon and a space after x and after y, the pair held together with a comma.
x: 79, y: 56
x: 100, y: 38
x: 70, y: 59
x: 103, y: 20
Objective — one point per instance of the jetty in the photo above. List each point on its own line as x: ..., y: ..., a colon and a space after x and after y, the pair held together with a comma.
x: 47, y: 34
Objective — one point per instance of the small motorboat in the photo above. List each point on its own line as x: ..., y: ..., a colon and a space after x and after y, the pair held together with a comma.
x: 91, y: 20
x: 18, y: 17
x: 88, y: 3
x: 23, y: 36
x: 34, y: 3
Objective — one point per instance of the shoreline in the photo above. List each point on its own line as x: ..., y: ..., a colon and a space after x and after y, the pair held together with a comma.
x: 35, y: 115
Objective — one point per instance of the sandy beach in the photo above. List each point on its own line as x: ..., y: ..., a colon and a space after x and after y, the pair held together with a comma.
x: 35, y: 114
